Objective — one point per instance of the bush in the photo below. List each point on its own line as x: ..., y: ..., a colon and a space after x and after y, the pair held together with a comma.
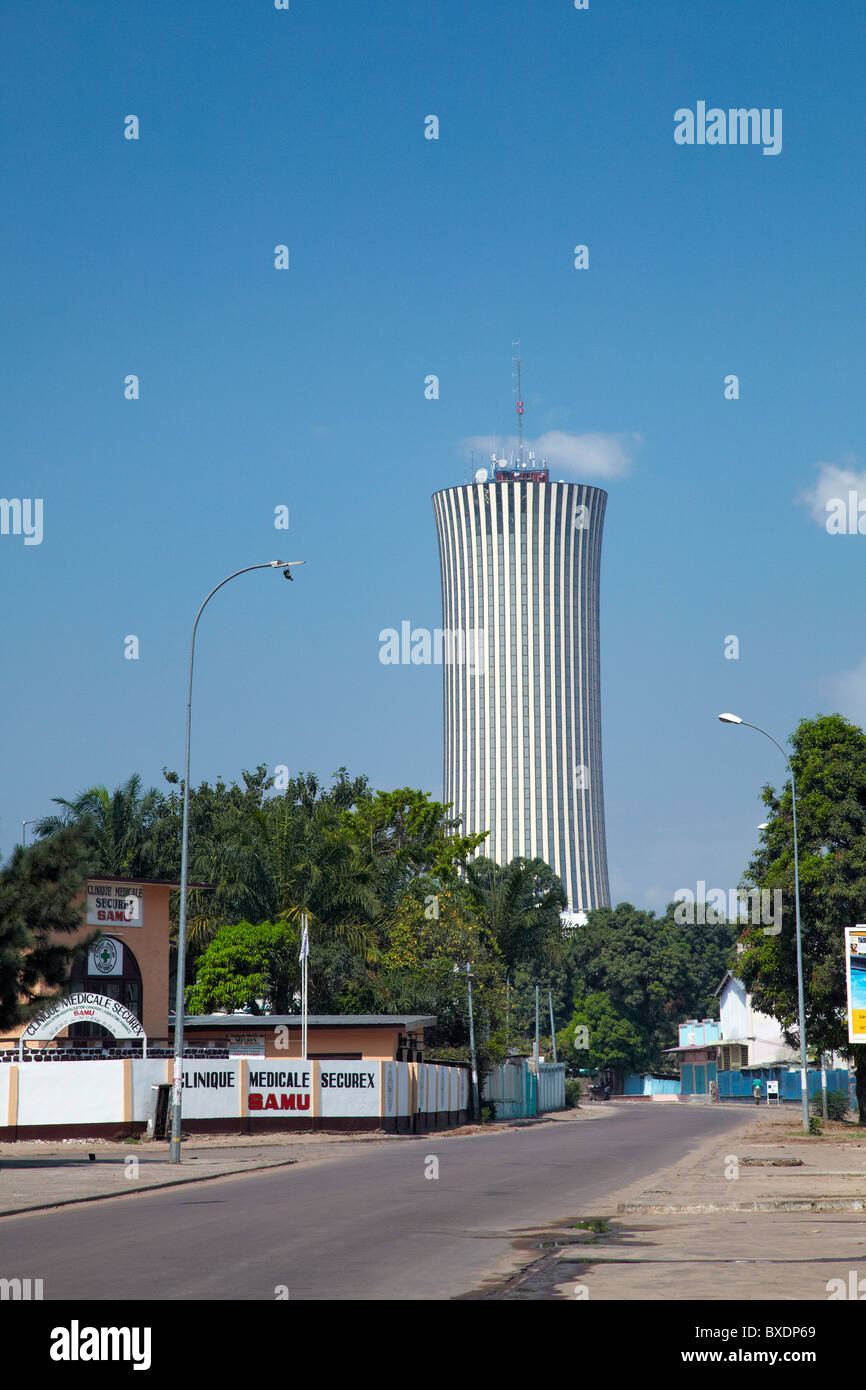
x: 572, y: 1092
x: 815, y: 1126
x: 837, y: 1105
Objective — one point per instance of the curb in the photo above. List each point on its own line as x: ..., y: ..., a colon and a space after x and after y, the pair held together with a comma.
x: 758, y: 1204
x: 148, y: 1187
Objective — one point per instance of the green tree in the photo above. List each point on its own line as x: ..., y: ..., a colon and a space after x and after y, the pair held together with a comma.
x: 829, y: 760
x: 555, y: 978
x: 407, y: 834
x: 246, y: 963
x: 41, y: 895
x: 286, y: 859
x: 209, y: 805
x: 432, y: 936
x: 522, y: 903
x: 340, y: 981
x: 615, y: 1042
x: 122, y: 826
x: 655, y: 972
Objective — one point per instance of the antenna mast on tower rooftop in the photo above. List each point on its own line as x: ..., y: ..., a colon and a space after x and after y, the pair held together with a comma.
x: 516, y: 365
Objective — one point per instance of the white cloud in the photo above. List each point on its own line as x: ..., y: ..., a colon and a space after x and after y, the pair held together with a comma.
x: 834, y: 481
x: 847, y: 690
x: 581, y: 455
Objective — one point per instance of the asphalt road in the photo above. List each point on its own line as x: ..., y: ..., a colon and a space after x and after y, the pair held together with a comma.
x: 365, y: 1223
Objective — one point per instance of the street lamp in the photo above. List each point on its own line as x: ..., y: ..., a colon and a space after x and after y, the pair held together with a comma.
x: 177, y: 1086
x: 735, y: 719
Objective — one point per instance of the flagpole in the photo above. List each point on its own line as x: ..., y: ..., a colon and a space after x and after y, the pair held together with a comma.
x: 305, y: 948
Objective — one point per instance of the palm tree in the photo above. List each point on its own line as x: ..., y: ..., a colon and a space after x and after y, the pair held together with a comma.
x: 282, y: 860
x: 122, y: 826
x: 523, y: 901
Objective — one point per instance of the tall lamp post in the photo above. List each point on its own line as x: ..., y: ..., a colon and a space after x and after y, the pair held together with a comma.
x: 735, y: 719
x: 177, y: 1087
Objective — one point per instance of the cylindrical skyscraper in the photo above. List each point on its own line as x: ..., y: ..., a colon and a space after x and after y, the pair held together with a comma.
x: 520, y: 559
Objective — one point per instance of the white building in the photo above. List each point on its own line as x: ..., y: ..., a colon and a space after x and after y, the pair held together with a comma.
x: 758, y: 1037
x: 750, y: 1038
x: 520, y: 559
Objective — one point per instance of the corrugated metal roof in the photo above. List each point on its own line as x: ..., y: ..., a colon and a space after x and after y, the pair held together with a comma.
x: 247, y: 1021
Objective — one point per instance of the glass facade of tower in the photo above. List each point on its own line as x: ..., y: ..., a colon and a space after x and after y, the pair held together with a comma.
x: 520, y: 565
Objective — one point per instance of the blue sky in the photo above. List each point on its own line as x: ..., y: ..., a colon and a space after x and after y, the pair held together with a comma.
x: 305, y: 387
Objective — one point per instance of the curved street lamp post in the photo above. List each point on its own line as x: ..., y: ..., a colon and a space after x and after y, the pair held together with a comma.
x: 177, y: 1086
x: 735, y: 719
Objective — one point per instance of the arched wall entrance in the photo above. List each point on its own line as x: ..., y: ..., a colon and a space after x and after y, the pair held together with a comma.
x: 108, y: 967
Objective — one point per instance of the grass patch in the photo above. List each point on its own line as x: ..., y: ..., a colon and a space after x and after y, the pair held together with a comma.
x: 597, y: 1224
x: 835, y: 1130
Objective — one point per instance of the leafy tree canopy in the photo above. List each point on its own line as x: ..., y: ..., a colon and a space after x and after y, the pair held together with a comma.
x: 38, y: 891
x: 522, y: 903
x: 123, y: 827
x: 615, y: 1041
x: 829, y: 761
x: 245, y: 964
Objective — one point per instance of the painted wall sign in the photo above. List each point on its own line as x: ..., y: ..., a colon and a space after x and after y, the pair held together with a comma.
x: 349, y: 1080
x: 83, y: 1007
x: 120, y: 903
x: 105, y: 957
x: 275, y: 1092
x: 855, y: 971
x: 215, y: 1080
x: 349, y: 1088
x: 210, y: 1088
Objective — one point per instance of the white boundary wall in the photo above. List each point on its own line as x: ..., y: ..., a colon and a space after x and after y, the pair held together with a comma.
x: 117, y: 1092
x: 144, y: 1076
x: 68, y: 1093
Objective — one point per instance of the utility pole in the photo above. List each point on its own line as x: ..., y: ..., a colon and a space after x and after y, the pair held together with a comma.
x: 476, y: 1109
x: 537, y: 988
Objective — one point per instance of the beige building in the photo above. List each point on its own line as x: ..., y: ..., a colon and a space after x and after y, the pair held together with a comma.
x: 128, y: 960
x: 345, y: 1037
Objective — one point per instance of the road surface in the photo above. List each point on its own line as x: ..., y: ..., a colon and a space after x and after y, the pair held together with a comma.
x: 363, y: 1223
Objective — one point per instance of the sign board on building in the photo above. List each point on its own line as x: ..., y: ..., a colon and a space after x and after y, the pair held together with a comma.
x: 855, y: 971
x: 83, y: 1007
x: 246, y: 1044
x: 105, y: 957
x: 120, y: 903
